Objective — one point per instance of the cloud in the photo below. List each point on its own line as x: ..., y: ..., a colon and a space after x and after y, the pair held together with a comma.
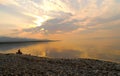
x: 50, y: 17
x: 8, y: 2
x: 56, y: 25
x: 83, y: 20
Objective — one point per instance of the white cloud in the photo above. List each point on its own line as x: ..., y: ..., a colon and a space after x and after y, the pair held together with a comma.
x: 76, y: 15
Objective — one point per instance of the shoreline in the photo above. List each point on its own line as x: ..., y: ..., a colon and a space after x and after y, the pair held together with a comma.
x: 37, y: 41
x: 26, y: 65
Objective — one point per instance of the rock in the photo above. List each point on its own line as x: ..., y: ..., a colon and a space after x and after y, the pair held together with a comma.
x: 26, y: 65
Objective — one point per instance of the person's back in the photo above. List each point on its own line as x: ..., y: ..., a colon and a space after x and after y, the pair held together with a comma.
x: 19, y: 52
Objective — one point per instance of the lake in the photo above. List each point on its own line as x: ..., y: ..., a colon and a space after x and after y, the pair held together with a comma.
x: 102, y: 49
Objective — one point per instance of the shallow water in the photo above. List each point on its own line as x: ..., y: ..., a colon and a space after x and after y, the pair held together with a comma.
x: 97, y: 49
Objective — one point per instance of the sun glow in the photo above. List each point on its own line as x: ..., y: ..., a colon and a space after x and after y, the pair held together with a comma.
x: 40, y: 20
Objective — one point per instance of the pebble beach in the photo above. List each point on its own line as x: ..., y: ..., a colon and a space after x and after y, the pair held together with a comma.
x: 27, y: 65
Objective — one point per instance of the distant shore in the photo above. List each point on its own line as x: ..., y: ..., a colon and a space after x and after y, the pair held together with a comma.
x: 36, y: 41
x: 27, y: 65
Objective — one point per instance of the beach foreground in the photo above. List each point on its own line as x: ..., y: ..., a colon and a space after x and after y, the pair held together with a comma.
x: 26, y: 65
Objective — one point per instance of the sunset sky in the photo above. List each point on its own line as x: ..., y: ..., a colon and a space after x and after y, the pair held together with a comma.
x: 60, y: 19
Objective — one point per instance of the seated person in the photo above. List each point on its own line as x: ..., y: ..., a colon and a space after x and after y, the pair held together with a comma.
x: 19, y: 52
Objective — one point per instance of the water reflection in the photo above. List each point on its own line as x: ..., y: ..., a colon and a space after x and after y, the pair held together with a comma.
x: 5, y: 47
x: 66, y: 53
x: 109, y: 51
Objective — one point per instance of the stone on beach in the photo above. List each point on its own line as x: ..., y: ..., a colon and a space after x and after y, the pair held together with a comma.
x: 26, y: 65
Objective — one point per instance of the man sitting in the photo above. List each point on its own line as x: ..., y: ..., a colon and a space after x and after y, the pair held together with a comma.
x: 19, y: 52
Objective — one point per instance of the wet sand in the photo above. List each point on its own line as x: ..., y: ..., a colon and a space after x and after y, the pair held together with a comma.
x: 26, y: 65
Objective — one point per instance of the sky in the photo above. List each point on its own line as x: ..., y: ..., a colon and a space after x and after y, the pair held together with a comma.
x: 60, y: 19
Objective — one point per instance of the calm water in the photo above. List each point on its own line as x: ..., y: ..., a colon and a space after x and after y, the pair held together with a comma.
x: 98, y: 49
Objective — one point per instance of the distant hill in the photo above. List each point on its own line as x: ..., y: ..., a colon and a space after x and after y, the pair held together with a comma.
x: 10, y: 39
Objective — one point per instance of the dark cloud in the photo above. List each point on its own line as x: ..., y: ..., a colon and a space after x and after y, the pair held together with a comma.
x: 108, y: 19
x: 57, y: 24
